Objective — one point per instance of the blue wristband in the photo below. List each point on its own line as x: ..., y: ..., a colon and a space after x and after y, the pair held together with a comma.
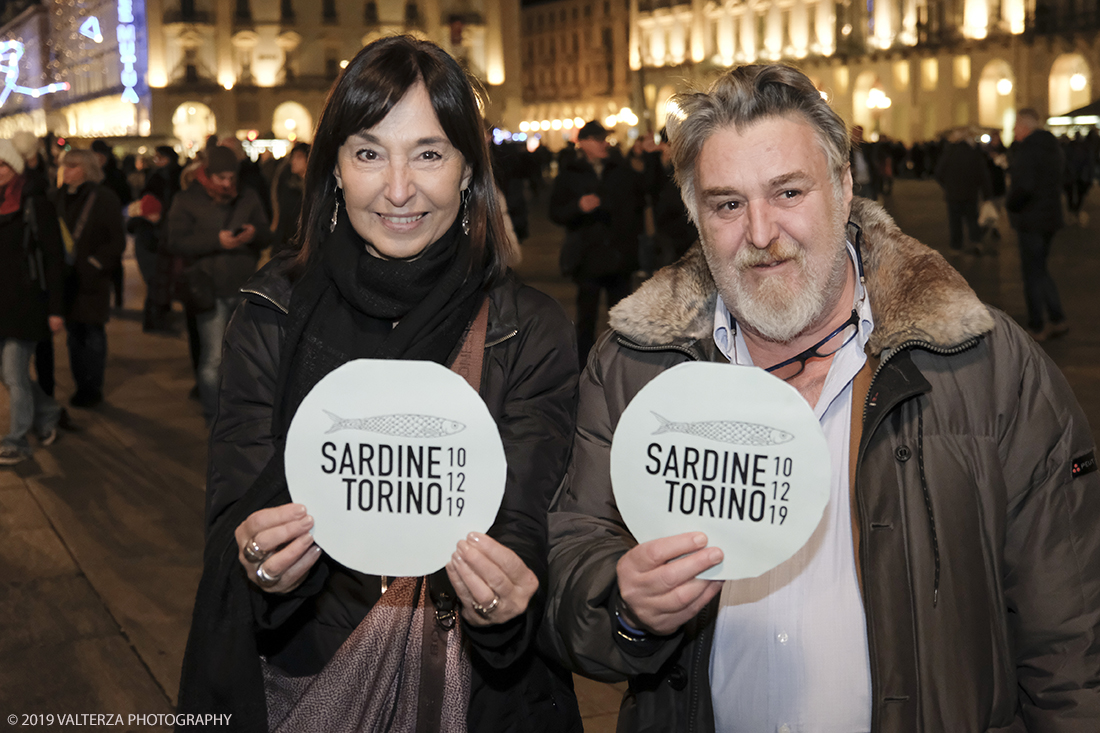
x: 630, y: 630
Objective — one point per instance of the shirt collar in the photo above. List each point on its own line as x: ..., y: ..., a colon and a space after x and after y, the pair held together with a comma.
x: 730, y: 340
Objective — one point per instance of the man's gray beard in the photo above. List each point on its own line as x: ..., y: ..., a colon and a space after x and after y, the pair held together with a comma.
x: 778, y: 309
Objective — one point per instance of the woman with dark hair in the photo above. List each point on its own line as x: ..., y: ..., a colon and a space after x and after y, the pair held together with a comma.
x: 401, y: 254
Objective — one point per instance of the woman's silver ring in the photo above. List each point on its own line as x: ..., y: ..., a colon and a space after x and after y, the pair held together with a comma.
x: 484, y: 611
x: 253, y: 552
x: 263, y: 579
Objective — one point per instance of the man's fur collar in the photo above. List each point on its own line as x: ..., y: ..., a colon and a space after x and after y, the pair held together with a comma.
x: 914, y: 294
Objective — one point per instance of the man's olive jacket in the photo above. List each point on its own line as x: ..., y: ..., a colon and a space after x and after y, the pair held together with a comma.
x: 978, y: 546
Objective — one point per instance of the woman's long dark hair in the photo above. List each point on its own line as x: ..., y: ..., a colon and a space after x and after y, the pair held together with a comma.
x: 371, y: 85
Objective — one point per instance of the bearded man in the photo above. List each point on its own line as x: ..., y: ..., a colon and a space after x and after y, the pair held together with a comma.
x: 953, y: 583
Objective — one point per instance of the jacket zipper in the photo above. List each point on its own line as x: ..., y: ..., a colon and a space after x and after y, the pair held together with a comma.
x: 502, y: 339
x: 267, y: 298
x: 695, y: 356
x: 905, y: 345
x: 694, y: 705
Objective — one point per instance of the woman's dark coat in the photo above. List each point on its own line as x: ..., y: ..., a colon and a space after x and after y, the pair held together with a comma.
x: 528, y: 383
x: 30, y: 271
x: 97, y: 252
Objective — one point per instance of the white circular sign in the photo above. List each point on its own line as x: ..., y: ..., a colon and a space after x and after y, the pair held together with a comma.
x: 727, y: 450
x: 396, y: 461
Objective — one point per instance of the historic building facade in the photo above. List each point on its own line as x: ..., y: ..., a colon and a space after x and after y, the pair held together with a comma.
x: 245, y: 67
x: 909, y: 69
x: 575, y: 67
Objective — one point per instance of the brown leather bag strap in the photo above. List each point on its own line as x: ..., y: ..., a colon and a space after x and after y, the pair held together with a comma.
x: 470, y: 358
x: 440, y: 609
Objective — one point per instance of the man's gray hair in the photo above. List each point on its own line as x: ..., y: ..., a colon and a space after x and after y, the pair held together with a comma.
x: 741, y: 97
x: 85, y: 159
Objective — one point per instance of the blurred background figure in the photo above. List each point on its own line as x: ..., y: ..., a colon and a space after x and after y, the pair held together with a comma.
x: 249, y: 173
x: 37, y: 179
x: 599, y: 198
x: 963, y: 174
x: 92, y: 230
x: 674, y: 232
x: 1079, y: 171
x: 31, y: 260
x: 865, y: 179
x: 286, y: 197
x: 147, y: 223
x: 1034, y: 202
x: 115, y: 180
x: 220, y: 230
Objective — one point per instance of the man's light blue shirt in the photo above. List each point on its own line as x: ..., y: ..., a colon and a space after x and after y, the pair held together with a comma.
x: 790, y: 647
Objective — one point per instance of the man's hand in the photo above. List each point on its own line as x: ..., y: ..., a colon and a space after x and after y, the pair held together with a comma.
x: 589, y: 202
x: 658, y: 585
x: 229, y: 240
x: 56, y: 324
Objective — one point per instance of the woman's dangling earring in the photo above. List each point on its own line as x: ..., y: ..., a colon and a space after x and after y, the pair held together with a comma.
x: 335, y: 211
x: 466, y: 211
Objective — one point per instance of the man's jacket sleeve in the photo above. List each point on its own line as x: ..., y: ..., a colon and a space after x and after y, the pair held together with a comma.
x: 587, y: 538
x: 1052, y: 553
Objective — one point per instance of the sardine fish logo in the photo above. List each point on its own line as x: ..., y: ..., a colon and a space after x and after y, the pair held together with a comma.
x: 726, y: 431
x: 400, y: 426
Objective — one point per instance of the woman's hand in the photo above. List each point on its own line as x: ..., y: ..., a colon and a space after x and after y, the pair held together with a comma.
x: 277, y: 540
x: 489, y: 576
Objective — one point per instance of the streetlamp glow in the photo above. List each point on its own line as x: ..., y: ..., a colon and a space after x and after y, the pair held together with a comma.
x: 1004, y: 87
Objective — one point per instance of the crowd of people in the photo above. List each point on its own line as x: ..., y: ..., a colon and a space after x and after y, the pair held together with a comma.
x: 196, y: 240
x: 953, y: 582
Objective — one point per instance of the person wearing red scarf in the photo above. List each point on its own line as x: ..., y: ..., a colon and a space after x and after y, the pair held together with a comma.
x: 220, y: 233
x: 31, y: 259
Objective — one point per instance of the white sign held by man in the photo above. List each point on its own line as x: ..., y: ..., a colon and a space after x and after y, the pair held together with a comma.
x: 727, y: 450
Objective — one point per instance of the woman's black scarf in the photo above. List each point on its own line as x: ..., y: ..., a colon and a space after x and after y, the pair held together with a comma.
x: 343, y: 307
x: 346, y: 305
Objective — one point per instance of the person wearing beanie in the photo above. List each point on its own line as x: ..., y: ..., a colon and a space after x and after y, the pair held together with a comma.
x: 31, y: 261
x: 220, y: 232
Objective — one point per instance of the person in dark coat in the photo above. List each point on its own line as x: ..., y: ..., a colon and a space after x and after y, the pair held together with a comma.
x: 31, y: 260
x: 114, y: 178
x: 402, y: 247
x: 599, y: 198
x: 36, y: 175
x: 94, y: 237
x: 963, y: 174
x: 1034, y: 205
x: 148, y: 222
x: 286, y: 197
x: 221, y: 231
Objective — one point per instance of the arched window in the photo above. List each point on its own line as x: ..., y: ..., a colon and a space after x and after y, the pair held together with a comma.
x: 292, y: 121
x: 192, y: 123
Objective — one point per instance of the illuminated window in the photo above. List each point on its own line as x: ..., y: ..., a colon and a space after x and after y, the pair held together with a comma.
x: 929, y: 74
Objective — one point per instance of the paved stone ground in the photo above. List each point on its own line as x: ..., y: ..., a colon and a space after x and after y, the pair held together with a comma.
x: 101, y: 533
